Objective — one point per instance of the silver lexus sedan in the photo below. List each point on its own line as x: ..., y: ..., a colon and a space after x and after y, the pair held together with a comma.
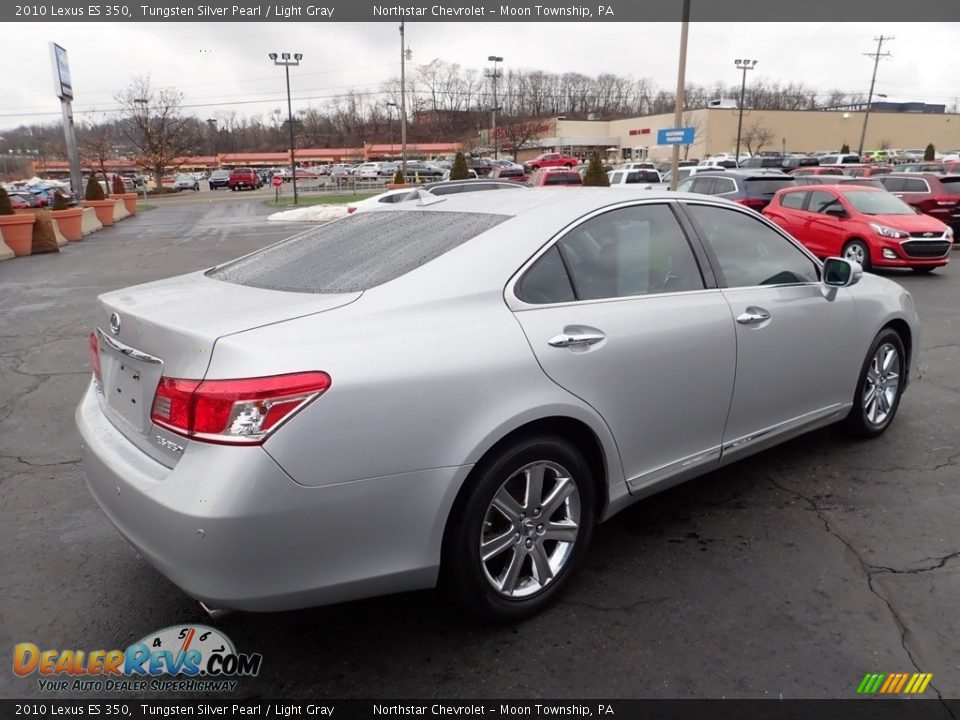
x: 456, y: 390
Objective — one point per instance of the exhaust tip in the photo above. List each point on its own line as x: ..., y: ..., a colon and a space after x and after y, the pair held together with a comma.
x: 214, y: 613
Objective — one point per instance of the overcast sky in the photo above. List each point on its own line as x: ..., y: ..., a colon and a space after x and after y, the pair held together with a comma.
x: 218, y: 66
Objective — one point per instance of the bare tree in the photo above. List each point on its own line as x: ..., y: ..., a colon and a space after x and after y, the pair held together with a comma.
x: 520, y: 132
x: 691, y: 121
x: 755, y: 136
x: 96, y: 145
x: 152, y: 121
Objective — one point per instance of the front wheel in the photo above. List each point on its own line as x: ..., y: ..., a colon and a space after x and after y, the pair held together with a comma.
x: 521, y: 529
x: 858, y: 252
x: 880, y: 386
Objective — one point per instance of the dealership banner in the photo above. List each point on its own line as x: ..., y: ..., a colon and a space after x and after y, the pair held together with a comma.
x: 541, y: 709
x: 480, y: 11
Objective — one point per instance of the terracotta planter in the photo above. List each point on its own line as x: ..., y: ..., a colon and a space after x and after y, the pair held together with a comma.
x: 17, y: 232
x: 104, y: 210
x: 129, y: 201
x: 70, y: 222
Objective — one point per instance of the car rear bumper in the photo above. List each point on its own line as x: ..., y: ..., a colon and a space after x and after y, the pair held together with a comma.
x: 232, y: 529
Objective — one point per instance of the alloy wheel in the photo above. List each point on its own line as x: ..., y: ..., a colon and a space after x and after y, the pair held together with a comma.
x: 882, y: 384
x: 855, y: 253
x: 530, y: 529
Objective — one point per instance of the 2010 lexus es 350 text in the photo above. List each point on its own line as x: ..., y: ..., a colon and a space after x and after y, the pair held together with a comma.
x: 458, y: 389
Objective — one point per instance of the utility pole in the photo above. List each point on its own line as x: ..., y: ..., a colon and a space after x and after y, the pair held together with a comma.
x: 876, y: 61
x: 403, y: 104
x: 681, y: 74
x: 494, y: 75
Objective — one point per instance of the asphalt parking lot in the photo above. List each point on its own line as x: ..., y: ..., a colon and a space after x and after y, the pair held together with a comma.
x: 790, y: 574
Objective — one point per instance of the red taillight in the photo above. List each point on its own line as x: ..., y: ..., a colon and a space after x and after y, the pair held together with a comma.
x: 946, y: 200
x: 754, y: 203
x: 233, y: 411
x: 95, y: 355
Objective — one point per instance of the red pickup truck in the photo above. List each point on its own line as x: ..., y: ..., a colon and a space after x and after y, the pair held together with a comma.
x: 553, y: 160
x: 244, y: 177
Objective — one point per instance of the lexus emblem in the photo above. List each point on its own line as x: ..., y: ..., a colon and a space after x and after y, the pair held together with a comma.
x: 115, y: 323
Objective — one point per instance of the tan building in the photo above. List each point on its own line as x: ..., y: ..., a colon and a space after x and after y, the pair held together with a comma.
x: 716, y: 132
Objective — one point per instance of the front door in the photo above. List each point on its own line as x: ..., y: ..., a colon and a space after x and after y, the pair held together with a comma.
x: 793, y: 335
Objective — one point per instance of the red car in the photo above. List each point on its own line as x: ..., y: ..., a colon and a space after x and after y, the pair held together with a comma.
x: 555, y: 176
x: 869, y: 170
x: 552, y: 160
x: 934, y: 194
x: 863, y: 224
x: 244, y: 177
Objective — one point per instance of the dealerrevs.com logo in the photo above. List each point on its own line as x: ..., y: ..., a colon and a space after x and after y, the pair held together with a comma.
x: 180, y: 658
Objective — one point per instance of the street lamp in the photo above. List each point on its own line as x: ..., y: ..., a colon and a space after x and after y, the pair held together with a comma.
x: 405, y: 54
x: 494, y: 75
x: 286, y: 61
x: 742, y: 65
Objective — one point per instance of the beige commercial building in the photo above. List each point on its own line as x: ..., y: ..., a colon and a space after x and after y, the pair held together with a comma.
x: 716, y: 132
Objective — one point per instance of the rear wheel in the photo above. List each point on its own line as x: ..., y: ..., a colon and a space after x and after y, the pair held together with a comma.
x: 521, y: 530
x: 877, y: 397
x: 858, y: 252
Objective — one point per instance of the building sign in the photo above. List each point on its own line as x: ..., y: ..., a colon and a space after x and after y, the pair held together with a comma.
x: 675, y: 136
x: 640, y: 131
x: 61, y: 72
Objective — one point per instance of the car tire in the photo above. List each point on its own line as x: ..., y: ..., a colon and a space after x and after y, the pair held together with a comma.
x: 879, y: 387
x: 858, y: 251
x: 525, y: 569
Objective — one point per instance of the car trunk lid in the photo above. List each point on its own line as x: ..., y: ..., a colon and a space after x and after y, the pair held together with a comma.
x: 168, y: 329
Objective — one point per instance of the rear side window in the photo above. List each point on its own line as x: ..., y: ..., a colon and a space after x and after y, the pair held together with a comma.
x: 356, y: 253
x: 893, y: 184
x: 915, y: 185
x: 643, y: 176
x: 792, y: 200
x: 631, y: 251
x: 547, y: 281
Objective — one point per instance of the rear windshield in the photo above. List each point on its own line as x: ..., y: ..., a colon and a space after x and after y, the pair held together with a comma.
x: 768, y: 186
x: 951, y: 185
x: 643, y: 176
x: 356, y: 253
x: 562, y: 178
x: 243, y: 170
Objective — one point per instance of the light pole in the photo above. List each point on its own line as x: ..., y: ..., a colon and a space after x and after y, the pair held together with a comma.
x: 873, y: 81
x: 742, y: 65
x: 681, y: 85
x: 494, y: 75
x: 286, y: 61
x: 390, y: 113
x: 405, y: 55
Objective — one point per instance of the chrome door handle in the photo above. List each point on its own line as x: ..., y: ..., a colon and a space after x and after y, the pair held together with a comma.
x: 753, y: 316
x: 575, y: 339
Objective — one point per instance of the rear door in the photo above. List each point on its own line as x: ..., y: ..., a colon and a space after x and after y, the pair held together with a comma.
x: 618, y: 313
x: 795, y: 353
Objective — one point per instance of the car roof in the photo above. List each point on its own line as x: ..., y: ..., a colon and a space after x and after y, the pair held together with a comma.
x: 555, y: 203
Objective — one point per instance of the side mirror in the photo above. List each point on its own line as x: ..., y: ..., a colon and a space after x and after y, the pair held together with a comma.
x: 838, y: 272
x: 837, y: 212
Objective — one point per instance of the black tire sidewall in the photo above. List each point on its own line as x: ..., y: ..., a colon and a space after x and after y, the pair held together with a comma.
x: 857, y: 421
x: 461, y: 569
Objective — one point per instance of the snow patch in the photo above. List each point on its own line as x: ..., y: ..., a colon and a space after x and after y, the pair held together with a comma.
x: 312, y: 214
